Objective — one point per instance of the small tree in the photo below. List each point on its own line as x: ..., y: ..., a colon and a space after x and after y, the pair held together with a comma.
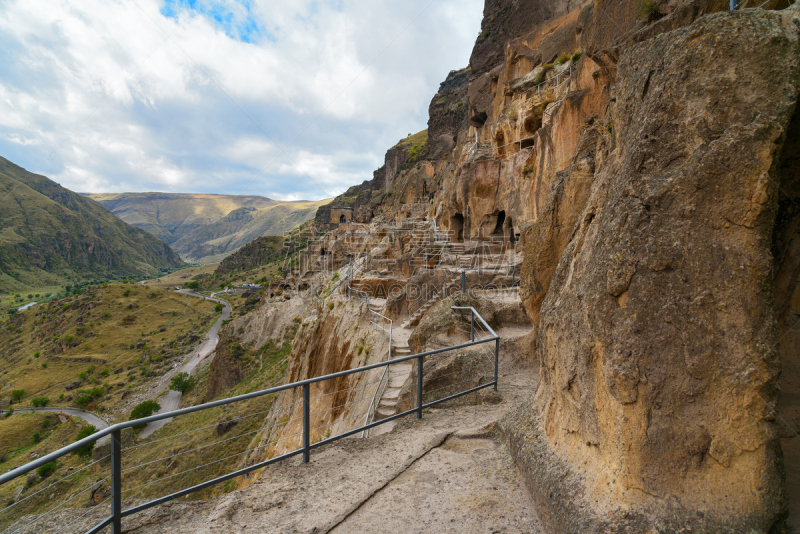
x: 145, y: 409
x: 17, y: 395
x: 47, y: 469
x: 182, y: 382
x: 40, y: 402
x: 85, y: 450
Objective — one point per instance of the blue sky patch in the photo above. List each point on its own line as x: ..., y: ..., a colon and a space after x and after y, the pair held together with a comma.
x: 235, y: 17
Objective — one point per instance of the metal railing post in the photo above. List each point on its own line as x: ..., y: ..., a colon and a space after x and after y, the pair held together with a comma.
x: 463, y: 280
x: 472, y: 324
x: 419, y: 387
x: 496, y: 360
x: 116, y: 482
x: 306, y: 424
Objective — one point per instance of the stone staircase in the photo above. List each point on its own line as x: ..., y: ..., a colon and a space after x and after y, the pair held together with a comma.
x: 453, y: 281
x: 398, y: 374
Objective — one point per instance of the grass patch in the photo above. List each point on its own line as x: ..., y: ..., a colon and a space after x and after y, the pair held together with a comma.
x: 117, y: 329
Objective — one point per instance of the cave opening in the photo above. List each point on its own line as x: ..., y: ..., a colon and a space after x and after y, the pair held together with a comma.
x: 478, y: 120
x: 527, y: 142
x: 532, y: 124
x: 500, y: 139
x: 501, y: 219
x: 457, y: 226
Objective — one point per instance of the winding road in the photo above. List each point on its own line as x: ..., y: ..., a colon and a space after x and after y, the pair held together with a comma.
x: 171, y: 401
x: 90, y: 417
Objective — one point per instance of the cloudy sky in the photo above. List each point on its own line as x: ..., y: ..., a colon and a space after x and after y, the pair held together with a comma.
x: 288, y: 99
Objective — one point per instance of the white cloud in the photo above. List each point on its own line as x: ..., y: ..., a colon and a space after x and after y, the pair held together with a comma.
x: 146, y: 95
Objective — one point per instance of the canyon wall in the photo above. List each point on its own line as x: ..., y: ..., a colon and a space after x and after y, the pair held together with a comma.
x: 646, y: 162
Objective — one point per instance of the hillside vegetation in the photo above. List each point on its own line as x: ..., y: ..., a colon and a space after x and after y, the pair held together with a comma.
x: 206, y: 228
x: 50, y: 236
x: 95, y: 350
x: 114, y: 379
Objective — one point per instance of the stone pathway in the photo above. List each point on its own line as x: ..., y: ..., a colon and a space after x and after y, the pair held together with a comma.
x: 444, y: 473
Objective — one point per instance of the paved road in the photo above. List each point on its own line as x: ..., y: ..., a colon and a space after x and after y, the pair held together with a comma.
x: 172, y: 400
x: 91, y: 418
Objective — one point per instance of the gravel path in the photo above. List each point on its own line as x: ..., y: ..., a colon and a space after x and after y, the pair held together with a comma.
x: 90, y: 417
x: 445, y: 473
x: 172, y: 400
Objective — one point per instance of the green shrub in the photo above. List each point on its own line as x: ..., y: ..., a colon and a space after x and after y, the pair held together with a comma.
x: 104, y: 372
x: 83, y: 400
x: 36, y: 438
x: 563, y: 58
x: 8, y: 413
x: 145, y: 409
x: 126, y: 292
x: 330, y: 304
x: 47, y: 469
x: 527, y: 170
x: 44, y: 366
x: 182, y: 382
x: 218, y: 307
x: 649, y: 10
x: 577, y: 55
x: 37, y: 354
x: 83, y: 375
x: 546, y: 102
x: 40, y: 402
x: 192, y: 285
x: 85, y: 450
x: 17, y: 395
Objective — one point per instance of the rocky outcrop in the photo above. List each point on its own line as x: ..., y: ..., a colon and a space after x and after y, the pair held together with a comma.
x: 259, y: 252
x: 660, y: 356
x: 447, y: 114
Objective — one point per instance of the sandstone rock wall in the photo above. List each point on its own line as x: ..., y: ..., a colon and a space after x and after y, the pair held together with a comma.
x: 660, y: 356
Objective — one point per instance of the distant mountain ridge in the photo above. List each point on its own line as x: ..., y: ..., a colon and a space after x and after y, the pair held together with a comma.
x: 49, y: 234
x: 205, y: 228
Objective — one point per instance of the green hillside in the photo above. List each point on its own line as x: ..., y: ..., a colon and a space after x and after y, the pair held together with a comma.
x: 50, y: 236
x: 206, y: 228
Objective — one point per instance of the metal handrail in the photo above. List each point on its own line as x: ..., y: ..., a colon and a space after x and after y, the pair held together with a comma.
x: 429, y: 294
x: 117, y: 513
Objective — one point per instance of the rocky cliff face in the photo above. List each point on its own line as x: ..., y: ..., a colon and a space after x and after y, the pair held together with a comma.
x: 660, y: 357
x: 644, y: 157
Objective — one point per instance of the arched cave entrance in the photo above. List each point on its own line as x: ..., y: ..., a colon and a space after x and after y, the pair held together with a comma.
x: 498, y: 227
x: 532, y: 124
x: 457, y: 226
x: 500, y: 139
x: 478, y: 119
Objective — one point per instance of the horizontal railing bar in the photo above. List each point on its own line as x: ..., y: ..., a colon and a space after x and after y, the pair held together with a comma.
x: 478, y: 315
x: 362, y: 428
x: 140, y: 422
x: 245, y: 470
x: 100, y: 526
x: 473, y: 390
x: 208, y: 483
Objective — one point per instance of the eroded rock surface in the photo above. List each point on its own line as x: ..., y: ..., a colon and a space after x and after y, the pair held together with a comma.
x: 660, y: 356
